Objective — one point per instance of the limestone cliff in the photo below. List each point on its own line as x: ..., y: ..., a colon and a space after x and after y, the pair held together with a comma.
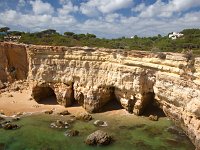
x: 13, y: 62
x: 94, y: 76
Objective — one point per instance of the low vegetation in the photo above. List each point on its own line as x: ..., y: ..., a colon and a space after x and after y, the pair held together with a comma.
x: 190, y: 40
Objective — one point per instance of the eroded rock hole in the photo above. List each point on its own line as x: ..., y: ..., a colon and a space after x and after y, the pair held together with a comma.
x: 44, y: 95
x: 113, y: 103
x: 151, y: 106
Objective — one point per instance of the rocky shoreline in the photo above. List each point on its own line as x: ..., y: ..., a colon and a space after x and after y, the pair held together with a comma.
x: 99, y: 137
x: 93, y: 77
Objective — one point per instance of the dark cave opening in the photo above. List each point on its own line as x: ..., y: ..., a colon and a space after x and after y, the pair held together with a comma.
x: 45, y: 95
x: 152, y: 108
x: 113, y: 103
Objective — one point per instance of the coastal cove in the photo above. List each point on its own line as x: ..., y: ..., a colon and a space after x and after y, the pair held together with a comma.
x: 51, y: 79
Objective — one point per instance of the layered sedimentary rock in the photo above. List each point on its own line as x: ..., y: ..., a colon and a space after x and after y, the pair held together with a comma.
x: 13, y: 62
x: 93, y: 77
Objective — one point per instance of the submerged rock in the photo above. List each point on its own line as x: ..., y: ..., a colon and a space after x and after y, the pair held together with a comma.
x: 65, y: 112
x: 16, y: 119
x: 175, y: 130
x: 84, y: 116
x: 59, y: 124
x: 100, y: 123
x: 172, y: 142
x: 2, y: 118
x: 132, y: 127
x: 10, y: 126
x: 72, y: 120
x: 72, y: 133
x: 2, y: 146
x: 153, y: 117
x: 142, y: 145
x: 98, y: 138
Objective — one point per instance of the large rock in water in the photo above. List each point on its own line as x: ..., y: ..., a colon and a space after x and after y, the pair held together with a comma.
x: 98, y: 138
x: 9, y: 126
x: 84, y: 116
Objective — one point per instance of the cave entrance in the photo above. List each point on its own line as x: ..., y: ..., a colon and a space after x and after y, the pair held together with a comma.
x: 113, y: 103
x: 45, y: 95
x: 152, y: 106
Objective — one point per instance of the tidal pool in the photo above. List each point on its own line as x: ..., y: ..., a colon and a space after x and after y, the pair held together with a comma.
x: 129, y: 132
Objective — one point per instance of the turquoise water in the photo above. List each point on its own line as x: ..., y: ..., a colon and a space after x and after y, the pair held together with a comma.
x: 129, y: 133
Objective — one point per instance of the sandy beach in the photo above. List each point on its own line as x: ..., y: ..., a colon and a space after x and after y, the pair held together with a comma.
x: 20, y: 101
x: 15, y: 102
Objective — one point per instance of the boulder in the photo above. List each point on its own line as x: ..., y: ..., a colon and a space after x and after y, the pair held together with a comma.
x: 59, y: 124
x: 2, y: 118
x: 84, y: 117
x: 100, y: 123
x: 10, y: 126
x: 98, y: 138
x: 65, y: 112
x: 153, y: 117
x: 72, y: 133
x: 49, y: 112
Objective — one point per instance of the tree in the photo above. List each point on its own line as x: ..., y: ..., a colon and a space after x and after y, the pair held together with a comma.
x: 16, y: 33
x: 159, y: 36
x: 69, y: 34
x: 90, y: 35
x: 135, y: 37
x: 4, y: 29
x: 48, y: 32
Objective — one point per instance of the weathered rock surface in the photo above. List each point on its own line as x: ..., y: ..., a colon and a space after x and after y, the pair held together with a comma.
x: 98, y: 138
x: 10, y: 126
x: 84, y: 116
x: 72, y: 133
x: 13, y: 62
x: 49, y: 112
x: 63, y: 113
x: 153, y: 117
x: 94, y: 76
x: 59, y: 124
x: 100, y: 123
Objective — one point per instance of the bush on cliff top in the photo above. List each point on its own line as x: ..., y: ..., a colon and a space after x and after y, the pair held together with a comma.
x: 191, y: 40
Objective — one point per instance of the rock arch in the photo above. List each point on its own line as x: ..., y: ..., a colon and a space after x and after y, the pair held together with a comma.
x: 44, y: 94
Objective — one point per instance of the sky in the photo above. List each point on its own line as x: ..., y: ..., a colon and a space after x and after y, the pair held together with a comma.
x: 104, y: 18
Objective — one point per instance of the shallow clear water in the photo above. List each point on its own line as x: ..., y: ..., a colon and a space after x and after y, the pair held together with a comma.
x: 129, y: 133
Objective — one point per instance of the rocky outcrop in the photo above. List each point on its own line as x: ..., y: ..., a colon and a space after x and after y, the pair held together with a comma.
x: 98, y: 138
x: 13, y: 62
x: 94, y: 76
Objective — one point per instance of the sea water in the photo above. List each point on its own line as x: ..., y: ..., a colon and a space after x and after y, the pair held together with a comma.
x: 129, y: 133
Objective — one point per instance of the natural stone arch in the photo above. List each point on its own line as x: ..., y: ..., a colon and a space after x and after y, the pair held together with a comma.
x: 44, y: 94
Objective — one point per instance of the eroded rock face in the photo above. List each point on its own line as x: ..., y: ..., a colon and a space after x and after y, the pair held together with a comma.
x: 13, y: 62
x: 92, y: 77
